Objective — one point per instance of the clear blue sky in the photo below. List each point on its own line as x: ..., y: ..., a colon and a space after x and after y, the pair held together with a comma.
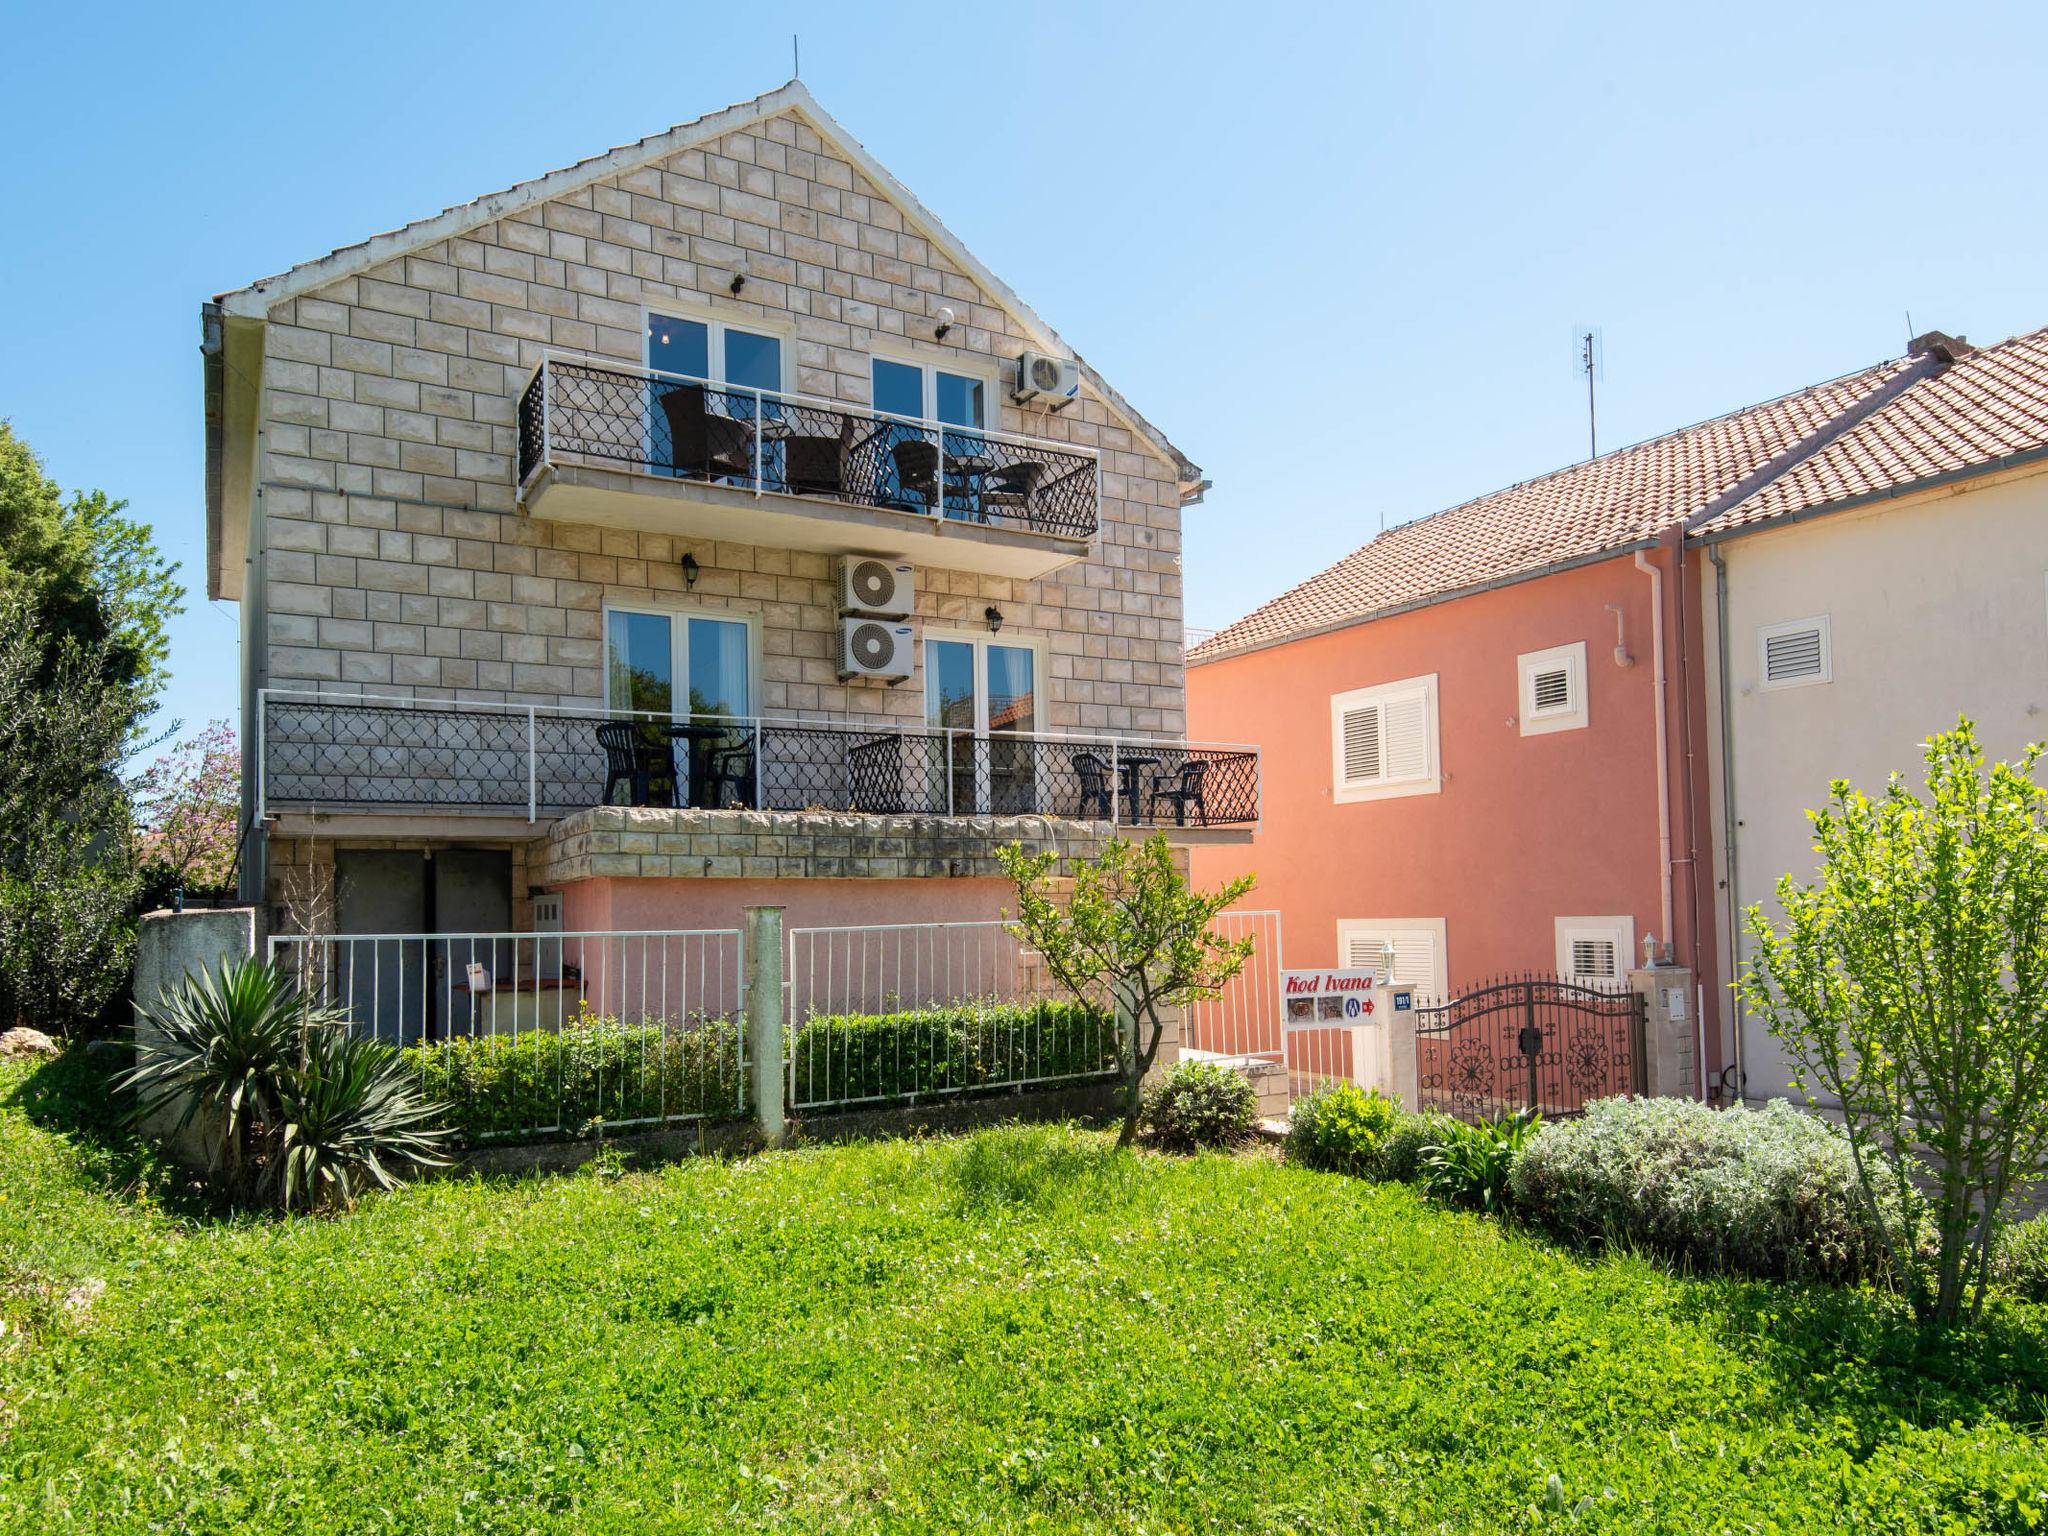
x: 1336, y: 252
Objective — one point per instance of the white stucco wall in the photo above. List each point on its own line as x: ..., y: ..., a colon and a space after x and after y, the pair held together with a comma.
x: 1937, y: 606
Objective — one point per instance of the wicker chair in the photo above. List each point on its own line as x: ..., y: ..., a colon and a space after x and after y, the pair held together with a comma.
x: 701, y: 444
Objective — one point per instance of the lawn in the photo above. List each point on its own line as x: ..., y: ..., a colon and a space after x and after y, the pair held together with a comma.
x: 1018, y: 1330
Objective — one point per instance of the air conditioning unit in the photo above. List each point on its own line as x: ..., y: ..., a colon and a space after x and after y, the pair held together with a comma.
x: 1052, y: 381
x: 883, y: 649
x: 877, y: 588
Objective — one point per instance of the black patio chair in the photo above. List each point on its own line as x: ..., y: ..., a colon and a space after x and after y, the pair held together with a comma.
x: 1184, y: 793
x: 731, y: 770
x: 702, y: 443
x: 1095, y: 796
x: 646, y: 767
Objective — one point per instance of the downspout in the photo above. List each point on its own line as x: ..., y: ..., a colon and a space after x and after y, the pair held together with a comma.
x: 1663, y: 737
x: 1728, y: 797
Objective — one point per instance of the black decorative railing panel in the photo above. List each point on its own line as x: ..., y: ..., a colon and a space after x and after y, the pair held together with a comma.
x: 576, y: 412
x: 331, y: 753
x: 1529, y: 1042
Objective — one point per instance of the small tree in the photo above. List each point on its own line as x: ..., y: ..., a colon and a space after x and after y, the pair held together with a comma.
x: 1910, y: 982
x: 1129, y: 928
x: 188, y: 805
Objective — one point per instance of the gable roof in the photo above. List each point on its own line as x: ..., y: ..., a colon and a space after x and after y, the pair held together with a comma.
x: 1987, y: 410
x: 255, y: 300
x: 1602, y: 507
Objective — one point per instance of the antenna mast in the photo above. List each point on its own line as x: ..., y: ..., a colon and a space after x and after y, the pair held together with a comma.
x: 1587, y: 359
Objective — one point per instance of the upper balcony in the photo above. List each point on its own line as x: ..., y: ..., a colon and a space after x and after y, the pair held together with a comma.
x: 325, y: 754
x: 607, y: 443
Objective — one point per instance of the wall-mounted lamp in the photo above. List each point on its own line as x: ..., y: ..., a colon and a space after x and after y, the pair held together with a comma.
x: 994, y: 615
x: 946, y: 319
x: 689, y: 570
x: 739, y: 281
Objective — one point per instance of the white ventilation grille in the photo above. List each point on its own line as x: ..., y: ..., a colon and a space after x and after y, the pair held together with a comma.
x: 1553, y: 691
x: 1593, y: 959
x: 1795, y: 654
x: 1595, y: 951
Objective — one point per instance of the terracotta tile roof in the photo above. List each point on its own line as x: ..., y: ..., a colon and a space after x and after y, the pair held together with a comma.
x: 1614, y: 502
x: 1981, y: 408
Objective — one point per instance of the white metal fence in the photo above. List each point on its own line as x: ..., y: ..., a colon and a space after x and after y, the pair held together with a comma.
x: 1242, y: 1022
x: 911, y: 1011
x: 532, y: 1033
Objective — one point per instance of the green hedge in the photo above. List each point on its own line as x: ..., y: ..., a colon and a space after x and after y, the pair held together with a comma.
x: 856, y: 1056
x: 595, y: 1069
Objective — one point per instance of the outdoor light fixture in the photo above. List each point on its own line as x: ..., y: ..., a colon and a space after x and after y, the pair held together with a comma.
x: 689, y: 570
x: 739, y: 274
x: 994, y: 615
x: 946, y: 319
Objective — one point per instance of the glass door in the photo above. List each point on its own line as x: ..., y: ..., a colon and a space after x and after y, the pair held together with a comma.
x: 955, y: 400
x: 695, y: 732
x: 695, y: 427
x: 984, y: 695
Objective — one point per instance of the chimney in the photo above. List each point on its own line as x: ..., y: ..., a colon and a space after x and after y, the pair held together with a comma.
x: 1940, y: 346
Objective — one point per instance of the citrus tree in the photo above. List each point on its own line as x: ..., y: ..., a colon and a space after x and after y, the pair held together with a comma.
x: 1127, y: 928
x: 1909, y: 983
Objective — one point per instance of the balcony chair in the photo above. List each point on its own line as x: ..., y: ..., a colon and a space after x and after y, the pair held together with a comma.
x: 1010, y: 488
x: 647, y: 768
x: 1095, y: 796
x: 702, y: 444
x: 731, y: 768
x: 816, y: 465
x: 1184, y: 793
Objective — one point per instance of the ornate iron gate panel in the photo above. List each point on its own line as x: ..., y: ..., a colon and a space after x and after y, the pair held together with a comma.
x: 1529, y: 1042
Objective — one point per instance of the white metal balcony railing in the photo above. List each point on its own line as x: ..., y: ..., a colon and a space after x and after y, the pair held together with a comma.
x: 340, y: 751
x: 577, y: 410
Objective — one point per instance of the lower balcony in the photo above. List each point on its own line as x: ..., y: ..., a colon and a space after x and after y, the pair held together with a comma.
x: 342, y: 753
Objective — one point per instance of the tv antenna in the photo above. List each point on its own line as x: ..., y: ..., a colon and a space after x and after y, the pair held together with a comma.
x: 1589, y: 358
x: 796, y: 58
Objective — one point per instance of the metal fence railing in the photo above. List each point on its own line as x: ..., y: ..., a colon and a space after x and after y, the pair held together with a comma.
x: 1242, y: 1022
x: 350, y: 751
x: 587, y: 411
x: 902, y: 1012
x: 543, y: 1033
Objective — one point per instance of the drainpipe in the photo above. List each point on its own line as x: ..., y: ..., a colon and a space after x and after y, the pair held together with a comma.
x: 1663, y: 738
x: 1728, y: 795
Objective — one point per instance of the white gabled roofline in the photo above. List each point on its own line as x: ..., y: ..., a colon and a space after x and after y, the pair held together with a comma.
x: 256, y: 300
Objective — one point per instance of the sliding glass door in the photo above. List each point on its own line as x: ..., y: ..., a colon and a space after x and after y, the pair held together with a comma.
x: 708, y: 432
x: 683, y: 675
x: 985, y: 695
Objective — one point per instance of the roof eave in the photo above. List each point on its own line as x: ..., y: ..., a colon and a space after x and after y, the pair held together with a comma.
x: 2025, y: 458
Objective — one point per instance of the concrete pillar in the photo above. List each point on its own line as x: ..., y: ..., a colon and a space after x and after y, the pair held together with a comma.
x: 1397, y: 1006
x: 767, y: 1012
x: 1671, y: 1042
x: 170, y: 946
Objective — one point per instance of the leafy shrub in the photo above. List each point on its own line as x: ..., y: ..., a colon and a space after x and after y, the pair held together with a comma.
x: 1407, y: 1145
x: 594, y: 1070
x: 1768, y: 1192
x: 1470, y: 1164
x: 287, y: 1103
x: 1198, y: 1104
x: 1343, y: 1128
x: 2019, y: 1258
x: 857, y: 1056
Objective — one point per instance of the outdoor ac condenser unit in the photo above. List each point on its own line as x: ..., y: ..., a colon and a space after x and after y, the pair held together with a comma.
x: 1052, y: 381
x: 877, y: 588
x: 882, y: 649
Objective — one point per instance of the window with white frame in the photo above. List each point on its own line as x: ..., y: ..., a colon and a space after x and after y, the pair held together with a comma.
x: 1795, y: 654
x: 679, y: 663
x: 1553, y: 689
x: 1383, y: 741
x: 1595, y: 951
x: 1418, y: 945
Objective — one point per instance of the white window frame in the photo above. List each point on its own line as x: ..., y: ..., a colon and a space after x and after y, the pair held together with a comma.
x: 981, y: 640
x: 1429, y: 783
x: 1621, y: 930
x: 929, y: 370
x: 1573, y: 717
x: 1766, y: 633
x: 679, y: 615
x: 1431, y: 928
x: 718, y: 324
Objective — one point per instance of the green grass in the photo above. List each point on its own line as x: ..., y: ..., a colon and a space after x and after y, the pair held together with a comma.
x: 1016, y: 1331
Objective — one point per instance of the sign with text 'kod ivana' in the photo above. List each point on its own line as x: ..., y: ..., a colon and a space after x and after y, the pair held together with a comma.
x: 1314, y: 999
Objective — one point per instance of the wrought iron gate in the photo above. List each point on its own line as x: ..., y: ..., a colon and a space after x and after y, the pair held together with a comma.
x: 1529, y: 1042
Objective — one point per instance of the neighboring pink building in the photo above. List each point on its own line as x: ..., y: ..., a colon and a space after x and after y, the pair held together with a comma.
x: 1484, y: 733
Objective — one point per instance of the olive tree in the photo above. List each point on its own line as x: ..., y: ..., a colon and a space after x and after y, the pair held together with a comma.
x: 1127, y: 928
x: 1909, y: 982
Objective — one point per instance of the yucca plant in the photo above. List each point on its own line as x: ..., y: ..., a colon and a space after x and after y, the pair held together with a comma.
x: 349, y: 1115
x: 217, y: 1048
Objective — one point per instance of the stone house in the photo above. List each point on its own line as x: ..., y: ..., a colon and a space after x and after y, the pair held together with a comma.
x: 697, y: 526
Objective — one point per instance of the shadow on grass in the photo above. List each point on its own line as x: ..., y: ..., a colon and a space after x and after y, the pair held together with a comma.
x: 73, y: 1096
x: 1860, y: 1355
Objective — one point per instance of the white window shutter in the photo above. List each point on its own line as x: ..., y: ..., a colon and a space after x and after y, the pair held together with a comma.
x: 1406, y: 729
x: 1362, y: 745
x: 1414, y: 955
